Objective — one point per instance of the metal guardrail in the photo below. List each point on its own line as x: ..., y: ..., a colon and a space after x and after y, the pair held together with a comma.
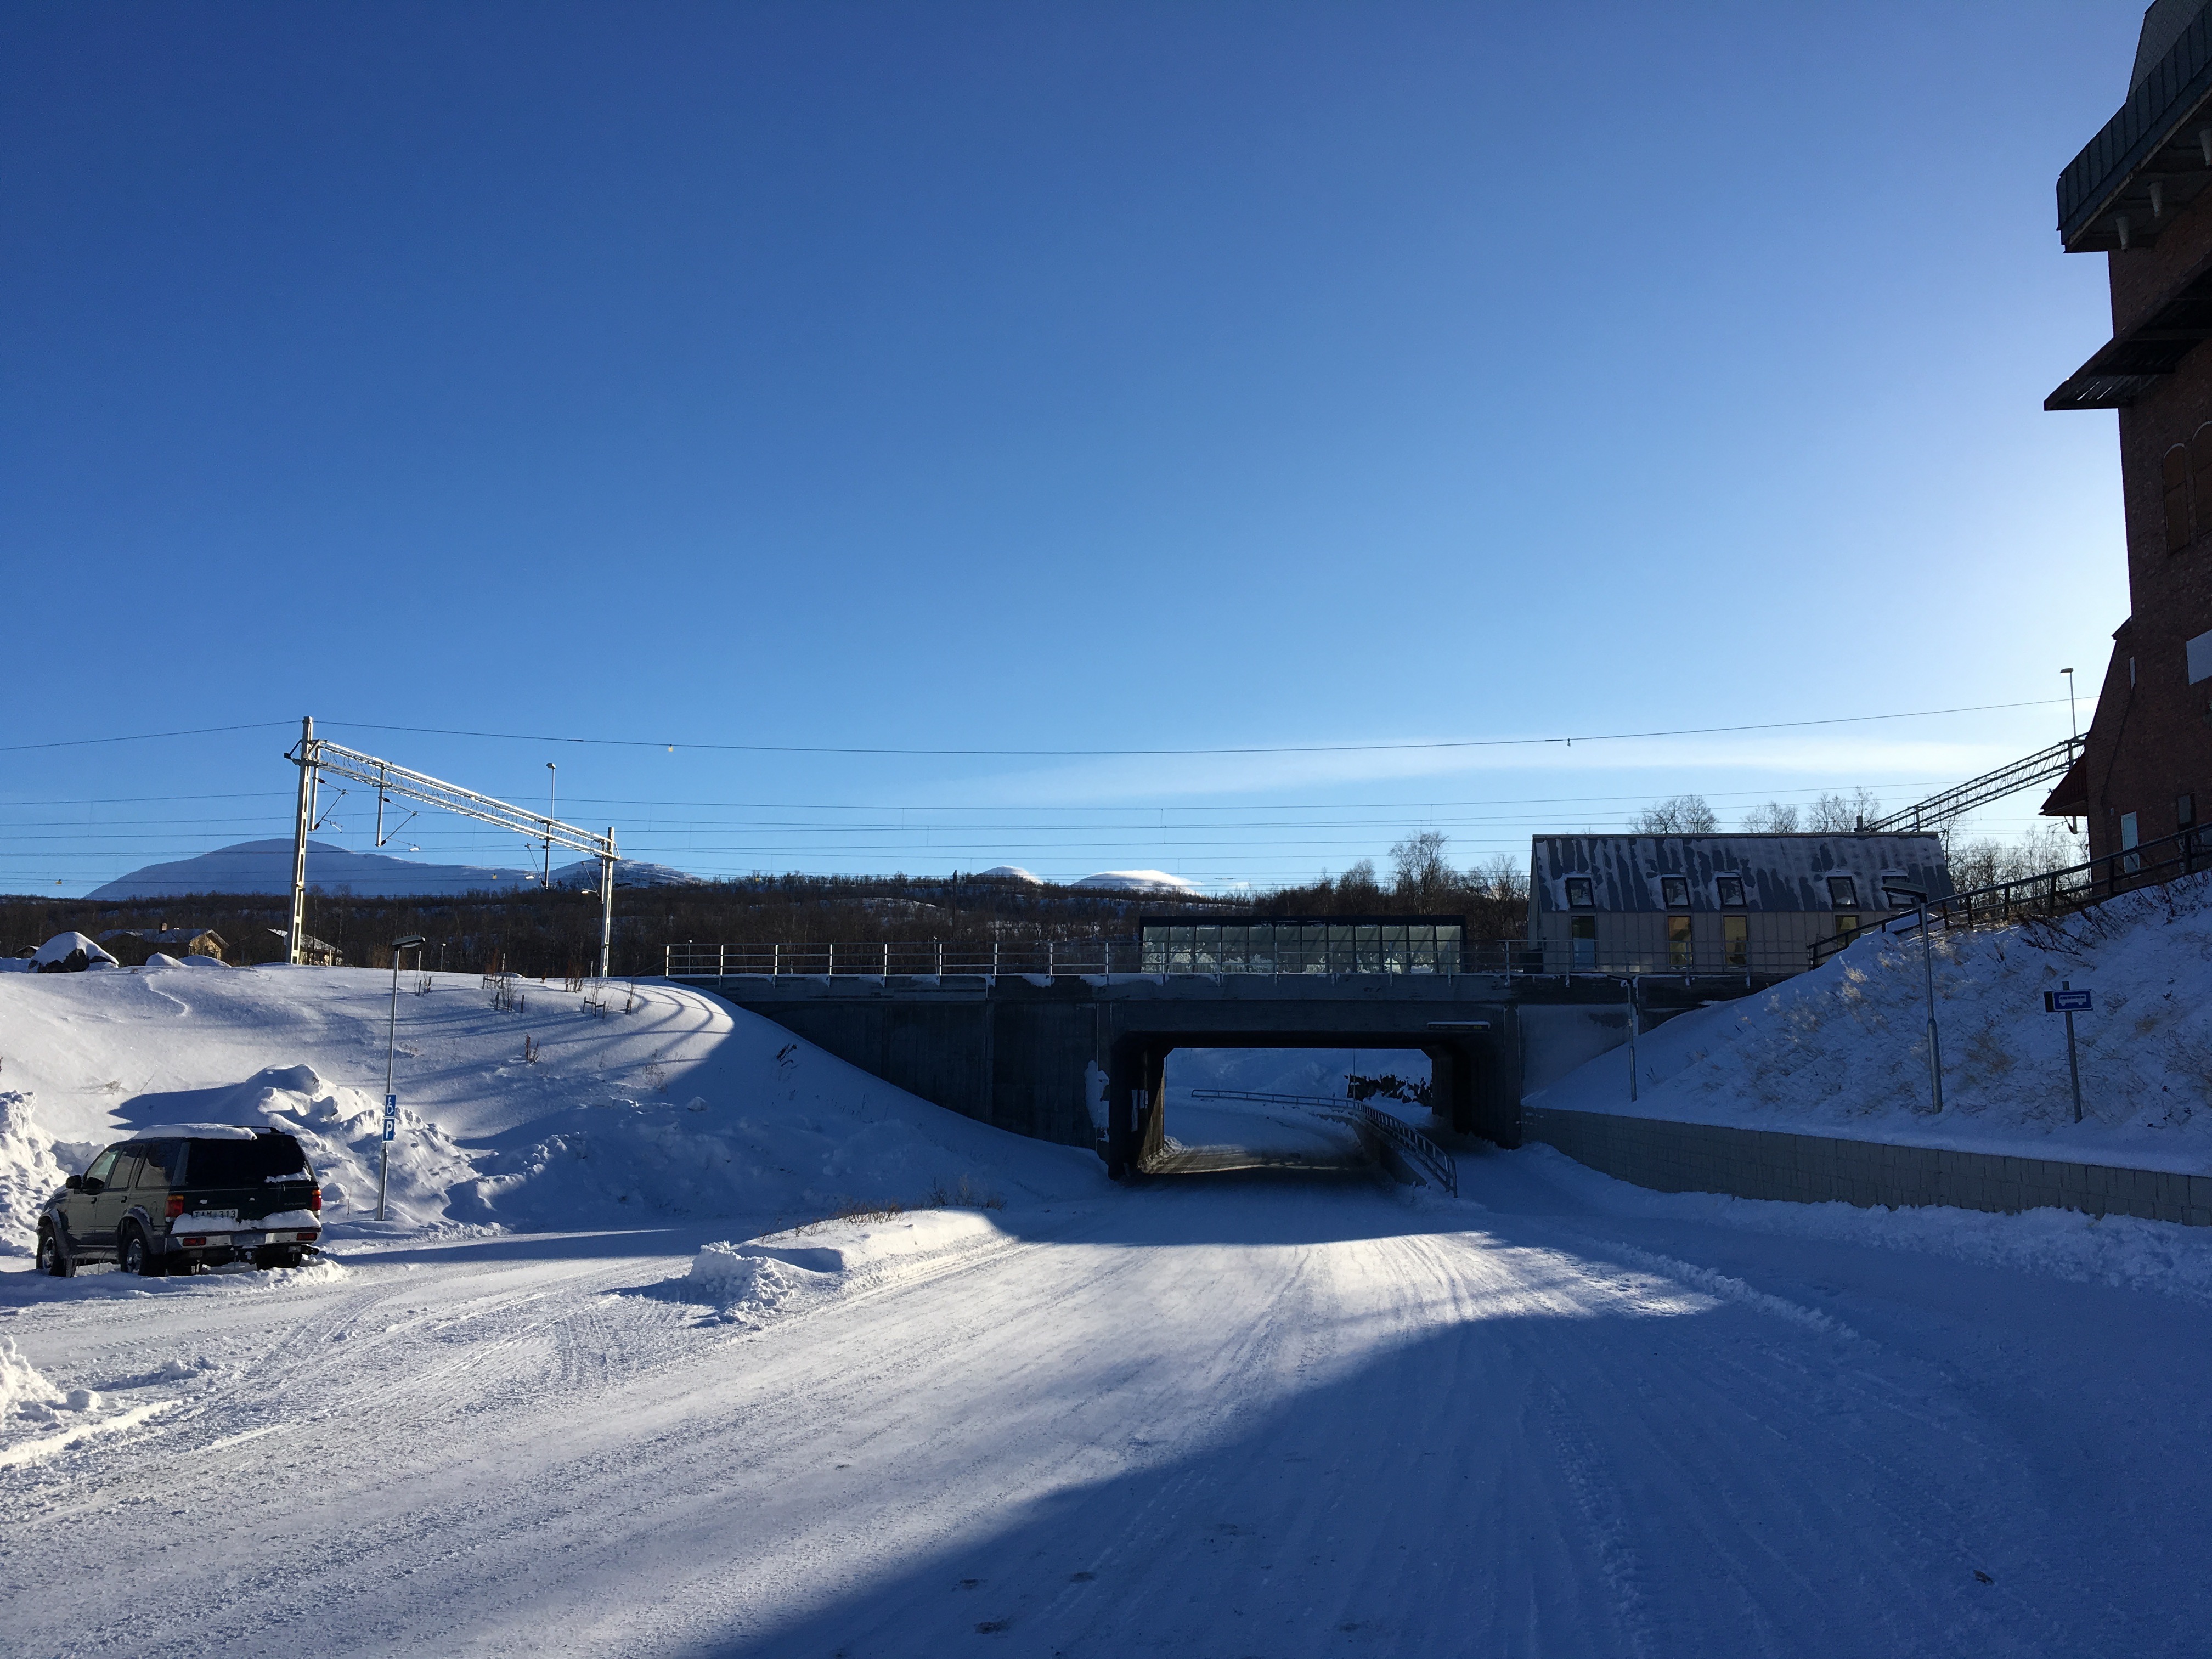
x: 1430, y: 1159
x: 2054, y: 892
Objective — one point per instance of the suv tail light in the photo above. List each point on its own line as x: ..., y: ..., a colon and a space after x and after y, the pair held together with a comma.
x: 315, y: 1201
x: 176, y: 1205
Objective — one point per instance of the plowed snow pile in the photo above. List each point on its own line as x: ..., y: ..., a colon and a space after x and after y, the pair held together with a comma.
x: 669, y: 1104
x: 1842, y: 1050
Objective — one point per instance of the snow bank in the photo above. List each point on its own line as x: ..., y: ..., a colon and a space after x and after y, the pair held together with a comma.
x: 1841, y: 1050
x: 2116, y: 1250
x: 29, y: 1172
x: 806, y: 1265
x: 668, y: 1104
x: 23, y: 1391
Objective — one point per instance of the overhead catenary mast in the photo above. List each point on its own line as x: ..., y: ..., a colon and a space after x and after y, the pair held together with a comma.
x: 316, y: 755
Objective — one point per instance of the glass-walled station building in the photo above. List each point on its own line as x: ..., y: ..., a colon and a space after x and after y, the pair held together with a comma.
x: 1303, y: 945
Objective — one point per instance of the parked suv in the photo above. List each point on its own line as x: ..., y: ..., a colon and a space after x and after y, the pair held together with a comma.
x: 176, y: 1201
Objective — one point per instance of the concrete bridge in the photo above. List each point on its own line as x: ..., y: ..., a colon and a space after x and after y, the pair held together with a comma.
x: 1082, y: 1058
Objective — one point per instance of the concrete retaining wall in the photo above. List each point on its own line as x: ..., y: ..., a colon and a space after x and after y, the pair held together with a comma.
x: 1703, y: 1157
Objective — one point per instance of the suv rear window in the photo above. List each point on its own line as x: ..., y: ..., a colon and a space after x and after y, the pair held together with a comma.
x: 244, y: 1162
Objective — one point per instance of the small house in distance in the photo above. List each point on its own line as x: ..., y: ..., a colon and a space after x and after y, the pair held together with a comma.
x: 1714, y: 904
x: 314, y: 953
x: 132, y: 945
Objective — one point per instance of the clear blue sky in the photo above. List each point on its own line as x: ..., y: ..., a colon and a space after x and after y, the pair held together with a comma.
x: 1046, y: 378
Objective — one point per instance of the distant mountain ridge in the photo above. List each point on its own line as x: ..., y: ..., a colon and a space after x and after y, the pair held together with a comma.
x: 265, y: 867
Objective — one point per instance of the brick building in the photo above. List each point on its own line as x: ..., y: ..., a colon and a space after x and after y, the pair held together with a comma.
x: 2136, y: 195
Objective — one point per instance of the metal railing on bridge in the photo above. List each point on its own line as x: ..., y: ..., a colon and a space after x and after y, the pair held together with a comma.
x: 1101, y: 957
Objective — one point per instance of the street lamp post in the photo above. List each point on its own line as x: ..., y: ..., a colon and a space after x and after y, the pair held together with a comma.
x: 1928, y: 967
x: 415, y: 942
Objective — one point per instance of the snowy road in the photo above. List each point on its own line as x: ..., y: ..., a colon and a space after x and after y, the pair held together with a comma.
x: 1218, y: 1416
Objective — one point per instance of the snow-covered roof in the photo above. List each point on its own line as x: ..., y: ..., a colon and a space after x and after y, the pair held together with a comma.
x: 62, y: 946
x: 1779, y: 872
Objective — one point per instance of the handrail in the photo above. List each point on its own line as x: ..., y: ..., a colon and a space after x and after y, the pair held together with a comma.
x: 1433, y: 1160
x: 2052, y: 892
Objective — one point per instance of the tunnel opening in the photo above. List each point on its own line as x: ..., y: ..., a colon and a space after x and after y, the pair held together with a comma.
x: 1237, y: 1109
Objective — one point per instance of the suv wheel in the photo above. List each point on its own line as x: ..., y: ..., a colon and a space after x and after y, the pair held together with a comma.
x: 53, y: 1258
x: 138, y: 1257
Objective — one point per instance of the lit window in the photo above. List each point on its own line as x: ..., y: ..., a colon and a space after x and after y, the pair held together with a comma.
x: 1674, y: 892
x: 1731, y: 891
x: 1843, y: 892
x: 1678, y: 942
x: 1735, y: 940
x: 1846, y: 926
x: 1578, y: 893
x: 2174, y: 487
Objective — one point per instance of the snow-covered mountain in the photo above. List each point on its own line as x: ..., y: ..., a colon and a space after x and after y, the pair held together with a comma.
x: 265, y: 867
x: 584, y: 875
x: 1139, y: 881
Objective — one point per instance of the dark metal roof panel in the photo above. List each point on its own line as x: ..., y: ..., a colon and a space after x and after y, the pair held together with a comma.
x: 1779, y: 872
x: 2162, y: 108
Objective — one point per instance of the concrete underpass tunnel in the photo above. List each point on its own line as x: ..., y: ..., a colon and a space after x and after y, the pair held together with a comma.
x: 1140, y: 1130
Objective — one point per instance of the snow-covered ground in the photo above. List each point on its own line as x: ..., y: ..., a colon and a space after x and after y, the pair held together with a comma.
x: 1842, y: 1050
x: 1219, y: 1416
x: 1250, y: 1413
x: 669, y: 1104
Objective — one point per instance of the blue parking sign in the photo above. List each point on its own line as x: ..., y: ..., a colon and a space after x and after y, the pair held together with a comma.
x: 390, y: 1115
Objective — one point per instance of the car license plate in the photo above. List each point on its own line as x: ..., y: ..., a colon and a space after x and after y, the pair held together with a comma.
x: 226, y: 1215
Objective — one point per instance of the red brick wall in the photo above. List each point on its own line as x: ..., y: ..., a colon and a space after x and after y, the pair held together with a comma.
x: 2150, y: 741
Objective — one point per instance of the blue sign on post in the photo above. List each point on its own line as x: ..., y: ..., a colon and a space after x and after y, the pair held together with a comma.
x: 390, y: 1115
x: 2066, y: 1002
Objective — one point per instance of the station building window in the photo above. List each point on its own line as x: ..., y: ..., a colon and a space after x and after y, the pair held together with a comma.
x: 1736, y: 941
x: 2174, y: 484
x: 1843, y: 893
x: 1674, y: 892
x: 1582, y: 941
x: 1730, y: 888
x: 1579, y: 896
x: 1680, y: 953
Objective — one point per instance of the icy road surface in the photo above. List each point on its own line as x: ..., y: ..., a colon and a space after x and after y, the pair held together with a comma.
x: 1225, y: 1415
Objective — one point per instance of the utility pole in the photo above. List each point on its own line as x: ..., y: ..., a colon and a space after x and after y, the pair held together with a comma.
x: 607, y: 902
x: 552, y: 777
x: 296, y: 938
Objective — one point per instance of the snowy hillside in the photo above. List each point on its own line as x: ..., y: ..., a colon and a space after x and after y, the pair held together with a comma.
x: 265, y: 867
x: 669, y: 1104
x: 1842, y: 1050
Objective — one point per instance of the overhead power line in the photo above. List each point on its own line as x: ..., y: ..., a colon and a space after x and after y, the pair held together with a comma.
x: 1161, y: 754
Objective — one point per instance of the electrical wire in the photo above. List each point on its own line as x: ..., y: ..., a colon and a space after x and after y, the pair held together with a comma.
x: 1108, y: 754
